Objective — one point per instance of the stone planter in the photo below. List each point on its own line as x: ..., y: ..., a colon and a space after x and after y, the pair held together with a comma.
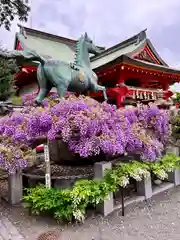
x: 60, y: 154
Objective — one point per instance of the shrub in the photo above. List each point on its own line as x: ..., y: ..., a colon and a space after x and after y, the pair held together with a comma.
x: 71, y: 204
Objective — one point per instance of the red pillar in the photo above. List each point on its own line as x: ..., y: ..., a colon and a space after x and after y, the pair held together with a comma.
x: 165, y: 86
x: 119, y: 101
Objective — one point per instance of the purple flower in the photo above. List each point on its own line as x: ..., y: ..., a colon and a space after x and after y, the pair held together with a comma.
x: 9, y: 130
x: 87, y: 126
x: 20, y: 136
x: 45, y: 122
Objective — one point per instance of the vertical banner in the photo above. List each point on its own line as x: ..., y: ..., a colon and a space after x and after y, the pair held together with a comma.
x: 48, y: 166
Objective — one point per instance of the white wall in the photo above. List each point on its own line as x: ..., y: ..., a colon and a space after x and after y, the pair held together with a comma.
x: 32, y: 88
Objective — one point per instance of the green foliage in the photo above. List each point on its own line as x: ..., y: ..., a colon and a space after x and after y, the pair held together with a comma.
x: 176, y: 126
x: 71, y: 204
x: 7, y: 86
x: 16, y: 100
x: 9, y: 9
x: 167, y: 164
x: 178, y: 97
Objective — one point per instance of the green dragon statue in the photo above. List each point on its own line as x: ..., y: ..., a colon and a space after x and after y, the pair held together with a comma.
x: 74, y: 77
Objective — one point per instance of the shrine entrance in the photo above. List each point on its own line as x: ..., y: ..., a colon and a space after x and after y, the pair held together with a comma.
x: 133, y: 82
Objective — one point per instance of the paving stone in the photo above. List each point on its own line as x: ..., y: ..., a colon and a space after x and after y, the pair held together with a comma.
x: 4, y: 233
x: 156, y: 219
x: 8, y: 231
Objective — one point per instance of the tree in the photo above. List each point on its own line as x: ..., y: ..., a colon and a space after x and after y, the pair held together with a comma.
x: 178, y: 96
x: 7, y: 86
x: 9, y: 9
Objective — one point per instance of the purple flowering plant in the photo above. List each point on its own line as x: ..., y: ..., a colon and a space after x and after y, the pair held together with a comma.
x: 87, y: 126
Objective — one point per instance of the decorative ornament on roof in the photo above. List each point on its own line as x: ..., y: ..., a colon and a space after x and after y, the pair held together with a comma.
x: 22, y: 31
x: 141, y: 36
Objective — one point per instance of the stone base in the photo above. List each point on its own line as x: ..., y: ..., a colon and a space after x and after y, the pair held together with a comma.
x: 107, y: 206
x: 15, y: 188
x: 63, y: 183
x: 144, y: 188
x: 173, y: 150
x: 174, y: 177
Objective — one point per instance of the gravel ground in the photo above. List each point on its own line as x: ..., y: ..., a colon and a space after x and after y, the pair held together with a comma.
x: 157, y: 219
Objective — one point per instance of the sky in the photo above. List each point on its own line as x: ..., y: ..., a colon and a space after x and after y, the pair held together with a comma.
x: 108, y: 22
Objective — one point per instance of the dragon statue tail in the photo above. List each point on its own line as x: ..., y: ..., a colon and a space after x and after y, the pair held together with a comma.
x: 22, y: 56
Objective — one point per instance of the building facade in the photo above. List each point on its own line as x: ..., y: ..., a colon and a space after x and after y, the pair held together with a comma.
x: 131, y: 70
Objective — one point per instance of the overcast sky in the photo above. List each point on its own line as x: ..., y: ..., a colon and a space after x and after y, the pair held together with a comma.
x: 109, y: 22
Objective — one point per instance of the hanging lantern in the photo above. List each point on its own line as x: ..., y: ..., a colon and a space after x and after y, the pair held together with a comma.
x: 152, y: 95
x: 24, y: 70
x: 140, y: 95
x: 134, y: 95
x: 137, y: 94
x: 145, y: 95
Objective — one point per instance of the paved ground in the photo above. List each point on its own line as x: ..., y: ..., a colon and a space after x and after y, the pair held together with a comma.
x: 8, y: 231
x: 158, y: 219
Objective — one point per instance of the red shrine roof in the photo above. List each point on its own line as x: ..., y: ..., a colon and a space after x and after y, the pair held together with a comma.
x: 139, y: 63
x: 136, y: 51
x: 138, y: 46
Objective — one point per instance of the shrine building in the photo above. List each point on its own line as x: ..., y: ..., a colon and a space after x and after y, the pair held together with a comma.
x: 131, y: 70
